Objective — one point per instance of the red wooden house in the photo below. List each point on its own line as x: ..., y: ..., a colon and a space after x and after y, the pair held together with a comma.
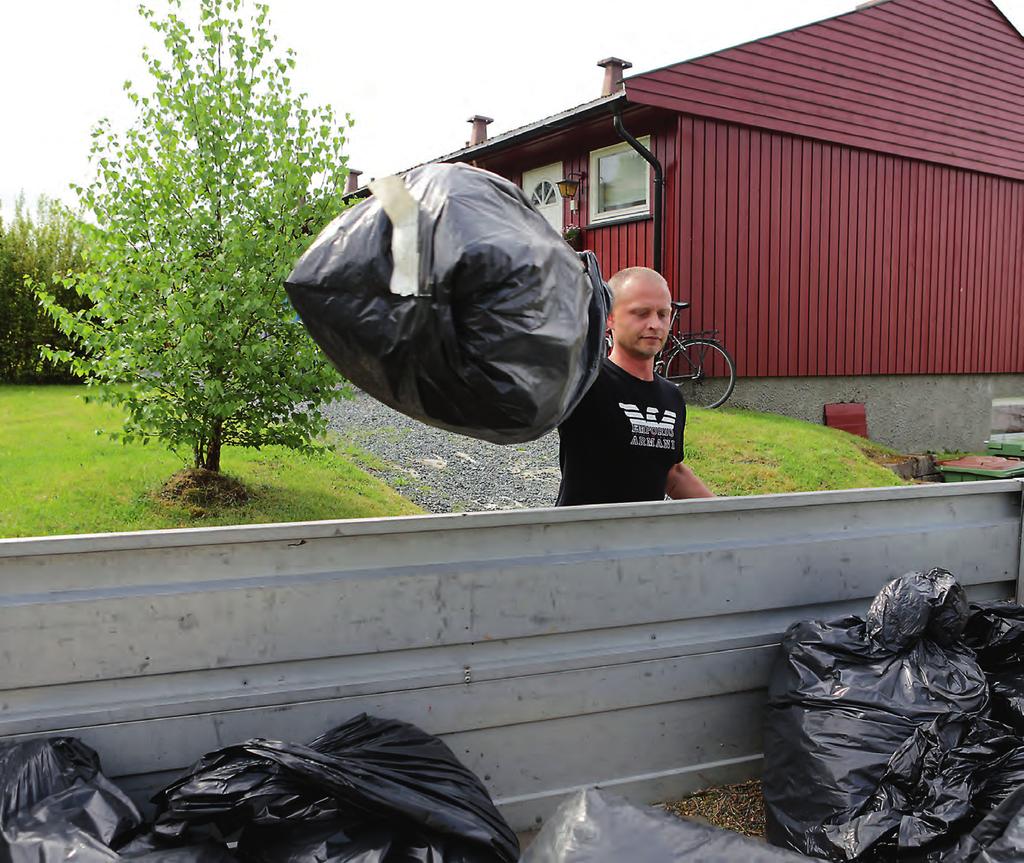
x: 844, y: 202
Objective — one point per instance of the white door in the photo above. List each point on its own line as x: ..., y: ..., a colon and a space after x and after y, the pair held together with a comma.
x: 541, y: 187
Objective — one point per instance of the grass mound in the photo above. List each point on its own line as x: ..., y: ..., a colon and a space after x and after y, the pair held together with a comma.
x: 198, y: 487
x: 742, y: 452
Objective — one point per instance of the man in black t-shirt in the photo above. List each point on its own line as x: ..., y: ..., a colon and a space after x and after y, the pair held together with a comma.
x: 624, y: 440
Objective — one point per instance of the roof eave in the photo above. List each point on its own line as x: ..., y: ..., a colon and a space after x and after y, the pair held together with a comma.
x: 533, y: 130
x: 518, y: 136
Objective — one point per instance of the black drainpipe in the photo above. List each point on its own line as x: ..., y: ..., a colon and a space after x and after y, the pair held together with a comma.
x: 659, y: 181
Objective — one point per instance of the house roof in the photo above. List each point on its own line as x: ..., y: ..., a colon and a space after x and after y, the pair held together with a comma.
x: 541, y: 127
x: 896, y: 76
x: 937, y: 80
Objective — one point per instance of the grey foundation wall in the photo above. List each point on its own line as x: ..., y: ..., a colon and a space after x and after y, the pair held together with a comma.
x: 912, y: 413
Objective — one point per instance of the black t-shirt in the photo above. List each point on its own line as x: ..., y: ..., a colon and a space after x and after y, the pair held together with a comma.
x: 621, y: 441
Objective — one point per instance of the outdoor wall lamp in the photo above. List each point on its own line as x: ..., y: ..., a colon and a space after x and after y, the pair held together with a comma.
x: 569, y: 185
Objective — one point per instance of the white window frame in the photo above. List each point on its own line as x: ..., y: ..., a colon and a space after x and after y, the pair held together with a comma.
x: 643, y: 209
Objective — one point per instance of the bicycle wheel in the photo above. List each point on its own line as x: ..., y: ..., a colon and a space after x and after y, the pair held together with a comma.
x: 703, y: 371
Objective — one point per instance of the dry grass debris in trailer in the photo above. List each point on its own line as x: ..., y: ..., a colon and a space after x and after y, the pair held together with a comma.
x: 734, y: 807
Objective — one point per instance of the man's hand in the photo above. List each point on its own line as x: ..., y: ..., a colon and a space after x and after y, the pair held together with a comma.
x: 684, y: 483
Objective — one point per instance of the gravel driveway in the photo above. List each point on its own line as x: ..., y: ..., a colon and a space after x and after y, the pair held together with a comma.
x: 445, y: 472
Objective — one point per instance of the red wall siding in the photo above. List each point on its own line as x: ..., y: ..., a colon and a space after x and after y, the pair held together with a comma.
x: 937, y: 80
x: 629, y: 244
x: 626, y: 244
x: 818, y: 259
x: 621, y: 246
x: 815, y: 258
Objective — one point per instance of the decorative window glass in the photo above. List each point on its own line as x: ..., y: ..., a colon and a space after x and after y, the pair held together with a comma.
x: 544, y: 193
x: 620, y: 182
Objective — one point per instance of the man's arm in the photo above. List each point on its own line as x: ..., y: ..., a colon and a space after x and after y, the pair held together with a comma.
x: 684, y: 483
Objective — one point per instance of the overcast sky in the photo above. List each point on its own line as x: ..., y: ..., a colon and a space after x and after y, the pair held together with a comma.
x: 409, y: 73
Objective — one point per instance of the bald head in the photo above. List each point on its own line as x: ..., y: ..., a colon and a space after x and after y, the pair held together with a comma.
x: 639, y: 317
x: 624, y: 280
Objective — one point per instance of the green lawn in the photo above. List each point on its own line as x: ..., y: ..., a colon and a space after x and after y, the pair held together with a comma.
x: 740, y: 452
x: 58, y: 476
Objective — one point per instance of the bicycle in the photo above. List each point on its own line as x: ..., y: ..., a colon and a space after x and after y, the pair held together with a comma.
x: 697, y: 363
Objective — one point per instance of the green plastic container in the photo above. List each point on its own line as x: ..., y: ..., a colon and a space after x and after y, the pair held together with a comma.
x: 1006, y: 444
x: 980, y: 467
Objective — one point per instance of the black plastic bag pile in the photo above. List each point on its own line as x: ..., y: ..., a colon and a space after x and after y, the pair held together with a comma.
x: 56, y: 805
x: 883, y: 738
x: 592, y: 827
x: 448, y: 297
x: 995, y: 630
x: 371, y: 790
x: 999, y: 838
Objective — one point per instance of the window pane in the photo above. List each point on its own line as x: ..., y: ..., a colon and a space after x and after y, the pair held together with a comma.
x: 621, y: 181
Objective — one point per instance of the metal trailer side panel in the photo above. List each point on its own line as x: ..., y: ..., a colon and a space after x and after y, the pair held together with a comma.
x: 624, y: 645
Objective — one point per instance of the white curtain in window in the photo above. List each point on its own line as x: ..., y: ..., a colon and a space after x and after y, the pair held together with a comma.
x: 622, y: 181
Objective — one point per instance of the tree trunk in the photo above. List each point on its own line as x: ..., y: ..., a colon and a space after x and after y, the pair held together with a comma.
x: 207, y: 451
x: 213, y: 451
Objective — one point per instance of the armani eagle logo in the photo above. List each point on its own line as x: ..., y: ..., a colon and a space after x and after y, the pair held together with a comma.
x: 642, y: 422
x: 648, y: 429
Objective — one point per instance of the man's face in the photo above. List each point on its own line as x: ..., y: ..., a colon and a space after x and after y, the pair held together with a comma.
x: 640, y: 316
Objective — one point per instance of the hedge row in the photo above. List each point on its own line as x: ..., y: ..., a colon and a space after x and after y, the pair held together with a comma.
x: 35, y: 246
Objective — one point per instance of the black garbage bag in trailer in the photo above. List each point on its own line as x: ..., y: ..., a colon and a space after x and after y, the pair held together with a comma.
x: 594, y: 827
x: 335, y: 842
x: 998, y: 838
x: 56, y: 805
x: 371, y: 790
x: 946, y: 777
x: 448, y: 297
x: 845, y: 697
x: 995, y: 631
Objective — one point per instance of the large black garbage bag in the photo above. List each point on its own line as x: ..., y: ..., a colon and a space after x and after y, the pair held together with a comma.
x: 594, y: 827
x: 33, y: 772
x: 998, y: 838
x: 147, y: 849
x: 56, y: 805
x: 367, y: 776
x: 918, y: 605
x: 937, y: 786
x: 336, y: 842
x: 846, y: 696
x: 995, y: 630
x: 503, y: 332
